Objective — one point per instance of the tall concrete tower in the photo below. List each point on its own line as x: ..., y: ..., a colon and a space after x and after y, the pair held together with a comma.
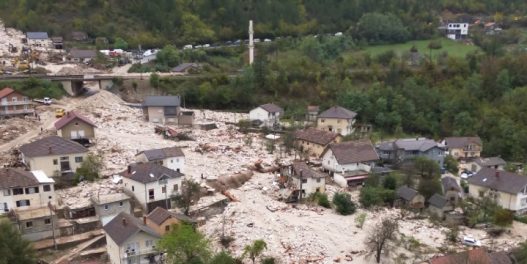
x: 251, y: 42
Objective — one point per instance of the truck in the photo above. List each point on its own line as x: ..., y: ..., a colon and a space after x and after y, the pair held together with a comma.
x: 59, y: 112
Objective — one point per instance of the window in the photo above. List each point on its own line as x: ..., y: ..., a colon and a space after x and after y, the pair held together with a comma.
x: 47, y: 221
x: 176, y: 188
x: 151, y: 194
x: 524, y: 202
x: 78, y: 159
x: 167, y: 228
x: 22, y: 203
x: 149, y: 243
x: 121, y: 204
x: 163, y: 189
x: 55, y: 162
x: 76, y: 123
x: 18, y: 191
x: 7, y: 192
x: 29, y: 224
x: 304, y: 180
x: 106, y: 207
x: 31, y: 190
x: 47, y: 188
x: 338, y: 121
x: 171, y: 161
x: 318, y: 179
x: 133, y: 188
x: 14, y: 99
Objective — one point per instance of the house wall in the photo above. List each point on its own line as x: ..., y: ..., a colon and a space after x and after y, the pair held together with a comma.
x: 139, y: 243
x: 343, y: 127
x: 418, y: 201
x: 156, y: 114
x: 44, y: 43
x: 186, y: 120
x: 311, y: 148
x: 140, y: 190
x: 162, y: 229
x: 451, y: 196
x: 35, y: 199
x: 175, y: 163
x: 46, y: 163
x: 113, y: 208
x: 435, y: 154
x: 329, y: 162
x: 39, y: 230
x: 112, y: 250
x: 475, y: 151
x: 436, y: 211
x: 311, y: 186
x: 75, y: 126
x: 508, y: 201
x: 14, y: 104
x: 268, y: 119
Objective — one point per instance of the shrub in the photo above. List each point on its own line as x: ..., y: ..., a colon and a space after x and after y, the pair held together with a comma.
x: 343, y: 203
x: 323, y: 200
x: 503, y: 217
x: 360, y: 219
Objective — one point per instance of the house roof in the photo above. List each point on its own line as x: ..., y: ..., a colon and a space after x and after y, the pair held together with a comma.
x: 149, y: 172
x: 184, y: 66
x: 437, y: 200
x: 313, y: 108
x: 11, y: 178
x: 42, y: 177
x: 159, y: 154
x: 502, y: 181
x: 316, y: 136
x: 83, y: 54
x: 33, y: 213
x: 450, y: 183
x: 37, y: 35
x: 124, y: 226
x: 474, y: 256
x: 338, y: 112
x: 57, y: 39
x: 70, y: 116
x: 416, y: 144
x: 162, y: 101
x: 406, y: 193
x: 271, y: 108
x: 460, y: 142
x: 159, y: 215
x: 353, y: 151
x: 5, y: 92
x: 307, y: 172
x: 492, y: 161
x: 52, y: 145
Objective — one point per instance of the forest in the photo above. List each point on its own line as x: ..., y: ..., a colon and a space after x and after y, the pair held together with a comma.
x: 180, y: 22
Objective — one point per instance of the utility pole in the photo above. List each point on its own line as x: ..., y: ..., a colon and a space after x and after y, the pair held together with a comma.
x: 251, y: 43
x: 166, y: 197
x: 300, y: 192
x: 52, y: 224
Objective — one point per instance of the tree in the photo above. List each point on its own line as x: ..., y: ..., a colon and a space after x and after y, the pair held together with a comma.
x: 451, y: 164
x: 120, y: 43
x: 343, y: 203
x: 254, y: 250
x: 223, y: 258
x: 390, y: 182
x: 503, y: 217
x: 521, y: 253
x: 376, y: 196
x: 323, y: 200
x: 381, y: 28
x: 13, y: 248
x: 184, y: 244
x: 380, y: 235
x: 360, y: 219
x: 90, y: 168
x: 428, y: 187
x: 154, y: 80
x: 190, y: 192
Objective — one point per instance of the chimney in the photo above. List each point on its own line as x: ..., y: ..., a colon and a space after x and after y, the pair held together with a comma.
x: 49, y: 150
x: 124, y: 221
x: 497, y: 174
x: 129, y: 169
x: 144, y: 219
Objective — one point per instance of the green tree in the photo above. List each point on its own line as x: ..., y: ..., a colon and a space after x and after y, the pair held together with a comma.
x: 323, y: 200
x: 360, y: 219
x: 503, y: 217
x: 381, y: 28
x: 120, y: 43
x: 190, y: 192
x: 389, y: 182
x: 254, y: 250
x: 14, y: 248
x: 223, y: 258
x: 451, y: 164
x: 90, y: 168
x: 184, y: 244
x: 154, y: 80
x: 521, y: 253
x: 343, y: 203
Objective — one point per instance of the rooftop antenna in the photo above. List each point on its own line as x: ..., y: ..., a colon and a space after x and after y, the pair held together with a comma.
x: 251, y: 43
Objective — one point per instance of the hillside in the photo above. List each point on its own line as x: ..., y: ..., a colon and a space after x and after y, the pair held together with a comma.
x: 155, y: 23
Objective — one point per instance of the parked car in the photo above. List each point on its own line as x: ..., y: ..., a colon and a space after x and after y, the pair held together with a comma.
x: 59, y: 112
x: 470, y: 241
x: 206, y: 45
x: 187, y: 47
x: 267, y: 40
x: 465, y: 174
x: 338, y: 34
x: 257, y: 40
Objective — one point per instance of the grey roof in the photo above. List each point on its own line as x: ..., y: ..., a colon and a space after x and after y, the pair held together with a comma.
x: 184, y: 66
x: 320, y: 137
x: 162, y: 101
x: 124, y: 226
x: 437, y: 200
x: 11, y: 178
x: 338, y: 112
x: 406, y: 193
x: 307, y: 172
x: 160, y: 215
x: 37, y: 35
x: 460, y: 142
x: 149, y: 172
x: 416, y: 144
x: 159, y: 154
x: 52, y: 145
x: 492, y: 161
x: 353, y: 151
x: 83, y: 54
x: 272, y: 108
x: 450, y: 184
x: 502, y: 181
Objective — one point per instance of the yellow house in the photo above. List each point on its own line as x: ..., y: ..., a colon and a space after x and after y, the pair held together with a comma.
x: 54, y: 155
x: 464, y: 147
x: 75, y: 126
x: 507, y: 188
x: 162, y: 221
x: 314, y: 141
x: 338, y: 120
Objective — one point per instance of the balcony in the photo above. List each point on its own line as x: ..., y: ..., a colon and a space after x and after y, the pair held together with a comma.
x: 144, y: 256
x: 8, y: 103
x: 16, y: 112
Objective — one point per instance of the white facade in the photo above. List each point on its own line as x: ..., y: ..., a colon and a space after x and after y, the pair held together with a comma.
x: 330, y: 163
x: 268, y: 119
x: 173, y: 163
x: 310, y: 185
x: 514, y: 202
x: 134, y: 250
x: 153, y: 191
x: 457, y: 30
x: 28, y: 197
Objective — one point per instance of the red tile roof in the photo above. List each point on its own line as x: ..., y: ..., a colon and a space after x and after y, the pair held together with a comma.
x: 5, y: 92
x: 70, y: 116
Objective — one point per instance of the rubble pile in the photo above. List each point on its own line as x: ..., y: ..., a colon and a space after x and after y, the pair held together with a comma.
x: 9, y: 36
x: 79, y: 196
x: 14, y: 127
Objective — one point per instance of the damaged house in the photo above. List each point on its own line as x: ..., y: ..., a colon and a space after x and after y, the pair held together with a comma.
x: 162, y: 109
x: 76, y: 127
x: 303, y: 180
x: 172, y: 158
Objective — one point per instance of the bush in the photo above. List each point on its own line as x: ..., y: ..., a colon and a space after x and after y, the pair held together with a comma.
x: 89, y: 169
x: 323, y: 200
x: 451, y: 164
x: 360, y: 219
x: 503, y: 217
x: 343, y: 203
x: 376, y: 196
x: 435, y: 44
x: 390, y: 182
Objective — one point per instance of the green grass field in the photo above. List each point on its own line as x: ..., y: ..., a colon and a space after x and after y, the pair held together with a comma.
x: 453, y: 48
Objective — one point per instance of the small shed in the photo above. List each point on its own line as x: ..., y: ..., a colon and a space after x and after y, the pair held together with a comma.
x: 186, y: 118
x: 410, y: 198
x: 438, y: 205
